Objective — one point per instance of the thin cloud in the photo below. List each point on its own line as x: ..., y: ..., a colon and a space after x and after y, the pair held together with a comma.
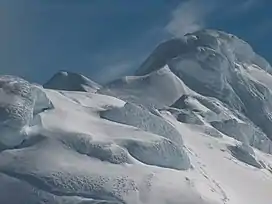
x: 189, y: 16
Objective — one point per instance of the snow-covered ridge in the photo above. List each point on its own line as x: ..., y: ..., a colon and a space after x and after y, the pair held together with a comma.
x: 156, y: 89
x: 69, y: 81
x: 193, y: 127
x: 220, y: 65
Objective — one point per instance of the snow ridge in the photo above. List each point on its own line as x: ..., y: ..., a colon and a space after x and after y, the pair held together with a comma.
x: 71, y: 82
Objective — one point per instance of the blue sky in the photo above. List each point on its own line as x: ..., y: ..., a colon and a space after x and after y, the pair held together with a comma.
x: 105, y: 39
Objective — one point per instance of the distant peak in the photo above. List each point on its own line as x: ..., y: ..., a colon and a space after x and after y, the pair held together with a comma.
x: 63, y: 73
x: 69, y: 81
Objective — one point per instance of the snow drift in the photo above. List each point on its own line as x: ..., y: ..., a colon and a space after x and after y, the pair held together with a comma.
x: 19, y: 102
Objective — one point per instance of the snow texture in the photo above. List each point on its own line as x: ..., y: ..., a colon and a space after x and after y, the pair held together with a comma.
x: 19, y: 101
x: 140, y: 117
x: 157, y: 89
x: 220, y: 66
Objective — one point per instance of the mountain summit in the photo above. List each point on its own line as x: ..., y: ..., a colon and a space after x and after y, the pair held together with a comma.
x: 222, y: 66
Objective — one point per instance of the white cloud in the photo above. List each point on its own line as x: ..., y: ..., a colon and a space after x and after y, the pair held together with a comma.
x: 189, y: 16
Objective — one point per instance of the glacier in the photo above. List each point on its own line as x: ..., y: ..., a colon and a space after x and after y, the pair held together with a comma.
x: 193, y: 126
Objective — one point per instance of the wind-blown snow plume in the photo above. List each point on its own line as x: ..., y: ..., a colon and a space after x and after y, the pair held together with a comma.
x: 189, y: 16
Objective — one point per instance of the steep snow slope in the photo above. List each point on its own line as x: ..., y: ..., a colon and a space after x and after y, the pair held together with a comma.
x: 186, y: 130
x: 74, y: 156
x: 92, y: 160
x: 213, y: 113
x: 156, y: 89
x: 236, y: 180
x: 71, y: 82
x: 222, y: 66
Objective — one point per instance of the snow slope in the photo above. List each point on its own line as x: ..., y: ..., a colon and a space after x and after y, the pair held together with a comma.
x: 167, y: 136
x: 218, y: 65
x: 156, y: 89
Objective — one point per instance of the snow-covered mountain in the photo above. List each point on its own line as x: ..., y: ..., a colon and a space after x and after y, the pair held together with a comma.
x: 193, y: 126
x: 71, y: 81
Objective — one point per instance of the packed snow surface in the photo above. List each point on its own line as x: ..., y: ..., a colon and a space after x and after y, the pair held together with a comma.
x: 193, y: 127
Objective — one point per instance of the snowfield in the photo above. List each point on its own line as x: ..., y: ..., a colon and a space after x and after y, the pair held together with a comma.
x: 193, y: 127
